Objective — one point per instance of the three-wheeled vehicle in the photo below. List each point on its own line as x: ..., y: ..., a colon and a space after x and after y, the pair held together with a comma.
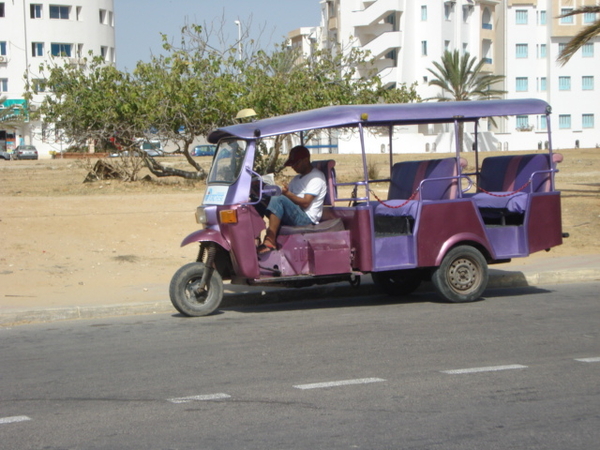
x: 437, y: 223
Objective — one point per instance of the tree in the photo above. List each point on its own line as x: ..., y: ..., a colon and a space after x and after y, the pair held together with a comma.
x: 583, y: 36
x: 286, y: 81
x: 197, y: 86
x: 12, y: 116
x: 462, y: 77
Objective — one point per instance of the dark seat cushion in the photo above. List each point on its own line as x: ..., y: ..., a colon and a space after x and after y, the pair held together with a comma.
x: 327, y: 225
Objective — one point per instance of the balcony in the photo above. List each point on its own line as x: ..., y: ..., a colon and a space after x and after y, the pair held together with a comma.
x: 383, y: 43
x: 376, y: 12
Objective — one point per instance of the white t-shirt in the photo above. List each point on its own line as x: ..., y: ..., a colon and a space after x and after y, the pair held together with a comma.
x: 313, y: 183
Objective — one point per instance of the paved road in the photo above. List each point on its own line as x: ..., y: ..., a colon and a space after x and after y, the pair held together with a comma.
x: 518, y: 370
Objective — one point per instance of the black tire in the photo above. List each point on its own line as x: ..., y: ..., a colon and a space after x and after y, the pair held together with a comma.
x: 398, y: 282
x: 183, y: 297
x: 463, y: 275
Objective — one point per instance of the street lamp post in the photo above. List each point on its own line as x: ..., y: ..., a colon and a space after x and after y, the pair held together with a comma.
x: 239, y: 26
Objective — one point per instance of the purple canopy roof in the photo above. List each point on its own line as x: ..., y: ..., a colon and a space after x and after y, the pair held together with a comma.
x: 377, y: 115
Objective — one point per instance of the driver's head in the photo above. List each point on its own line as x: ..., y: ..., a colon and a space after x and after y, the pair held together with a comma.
x: 299, y: 156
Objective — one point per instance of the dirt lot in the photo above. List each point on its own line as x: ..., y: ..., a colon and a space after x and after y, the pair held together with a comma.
x: 65, y: 243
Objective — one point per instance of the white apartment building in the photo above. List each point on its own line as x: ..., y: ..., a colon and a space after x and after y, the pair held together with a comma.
x: 520, y: 39
x: 35, y: 32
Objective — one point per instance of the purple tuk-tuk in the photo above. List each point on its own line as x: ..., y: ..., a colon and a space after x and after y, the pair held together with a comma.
x: 437, y: 223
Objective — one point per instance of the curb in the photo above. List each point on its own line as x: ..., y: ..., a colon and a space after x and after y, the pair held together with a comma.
x: 253, y: 296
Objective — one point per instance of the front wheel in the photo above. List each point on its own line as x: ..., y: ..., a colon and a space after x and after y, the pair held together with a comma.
x: 462, y: 276
x: 186, y: 295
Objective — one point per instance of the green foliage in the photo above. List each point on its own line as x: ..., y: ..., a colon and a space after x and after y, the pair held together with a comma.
x: 583, y: 36
x: 12, y: 116
x: 462, y: 78
x: 196, y: 87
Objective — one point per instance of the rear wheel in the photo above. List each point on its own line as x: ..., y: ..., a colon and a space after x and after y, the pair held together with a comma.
x: 186, y: 295
x: 398, y: 282
x: 462, y: 276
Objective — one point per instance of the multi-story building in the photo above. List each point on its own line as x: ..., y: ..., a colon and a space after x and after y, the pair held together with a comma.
x: 36, y: 32
x: 519, y: 39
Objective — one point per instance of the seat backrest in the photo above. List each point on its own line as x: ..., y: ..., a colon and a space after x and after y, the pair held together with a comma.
x: 511, y: 172
x: 327, y: 166
x: 406, y: 177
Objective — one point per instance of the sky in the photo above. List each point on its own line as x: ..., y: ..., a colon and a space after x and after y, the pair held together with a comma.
x: 139, y: 23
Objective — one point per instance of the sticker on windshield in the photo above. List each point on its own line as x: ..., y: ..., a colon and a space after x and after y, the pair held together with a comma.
x: 215, y: 195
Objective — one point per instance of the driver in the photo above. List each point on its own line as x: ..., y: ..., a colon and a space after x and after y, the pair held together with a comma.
x: 300, y: 203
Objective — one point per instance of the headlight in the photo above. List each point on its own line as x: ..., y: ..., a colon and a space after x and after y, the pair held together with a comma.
x: 201, y: 215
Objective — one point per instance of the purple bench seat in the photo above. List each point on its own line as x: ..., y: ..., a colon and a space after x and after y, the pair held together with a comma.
x: 415, y: 181
x: 505, y: 182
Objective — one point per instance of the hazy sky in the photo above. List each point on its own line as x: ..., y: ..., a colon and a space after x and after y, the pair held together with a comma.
x: 140, y: 22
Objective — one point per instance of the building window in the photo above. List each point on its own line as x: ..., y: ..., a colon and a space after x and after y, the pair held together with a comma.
x: 447, y: 45
x: 3, y: 83
x: 522, y: 84
x: 589, y: 17
x: 2, y: 48
x: 542, y: 122
x: 564, y: 83
x: 424, y: 48
x: 542, y: 51
x: 57, y: 49
x: 35, y: 11
x: 447, y: 10
x: 587, y: 121
x: 423, y: 12
x: 587, y: 83
x: 522, y: 51
x: 39, y: 85
x: 543, y: 84
x: 587, y: 50
x: 2, y: 9
x: 486, y: 19
x: 103, y: 16
x: 566, y: 20
x: 59, y: 12
x: 37, y: 49
x: 564, y: 121
x: 561, y: 47
x: 467, y: 10
x: 542, y: 18
x: 521, y: 18
x: 522, y: 122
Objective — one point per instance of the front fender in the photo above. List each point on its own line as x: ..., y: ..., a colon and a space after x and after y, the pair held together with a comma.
x: 207, y: 235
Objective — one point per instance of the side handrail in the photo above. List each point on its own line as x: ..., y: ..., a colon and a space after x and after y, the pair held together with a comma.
x: 420, y: 188
x: 516, y: 191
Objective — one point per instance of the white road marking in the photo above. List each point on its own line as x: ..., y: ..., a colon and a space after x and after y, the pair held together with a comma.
x: 484, y: 369
x: 339, y: 383
x: 14, y: 419
x: 588, y: 360
x: 199, y: 398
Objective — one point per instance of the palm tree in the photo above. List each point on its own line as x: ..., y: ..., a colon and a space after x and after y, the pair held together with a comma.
x: 461, y: 77
x: 583, y: 36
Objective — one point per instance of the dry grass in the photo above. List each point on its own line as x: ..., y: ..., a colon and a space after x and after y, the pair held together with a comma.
x: 578, y: 180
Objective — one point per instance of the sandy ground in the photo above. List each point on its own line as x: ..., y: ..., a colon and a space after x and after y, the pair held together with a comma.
x: 65, y: 242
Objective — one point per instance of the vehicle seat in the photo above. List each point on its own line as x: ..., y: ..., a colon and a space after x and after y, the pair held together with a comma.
x: 414, y: 181
x: 509, y: 179
x: 327, y: 166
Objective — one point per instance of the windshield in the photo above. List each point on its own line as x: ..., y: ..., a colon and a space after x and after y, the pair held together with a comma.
x: 228, y: 161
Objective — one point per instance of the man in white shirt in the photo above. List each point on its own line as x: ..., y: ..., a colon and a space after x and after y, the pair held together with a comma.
x: 299, y: 204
